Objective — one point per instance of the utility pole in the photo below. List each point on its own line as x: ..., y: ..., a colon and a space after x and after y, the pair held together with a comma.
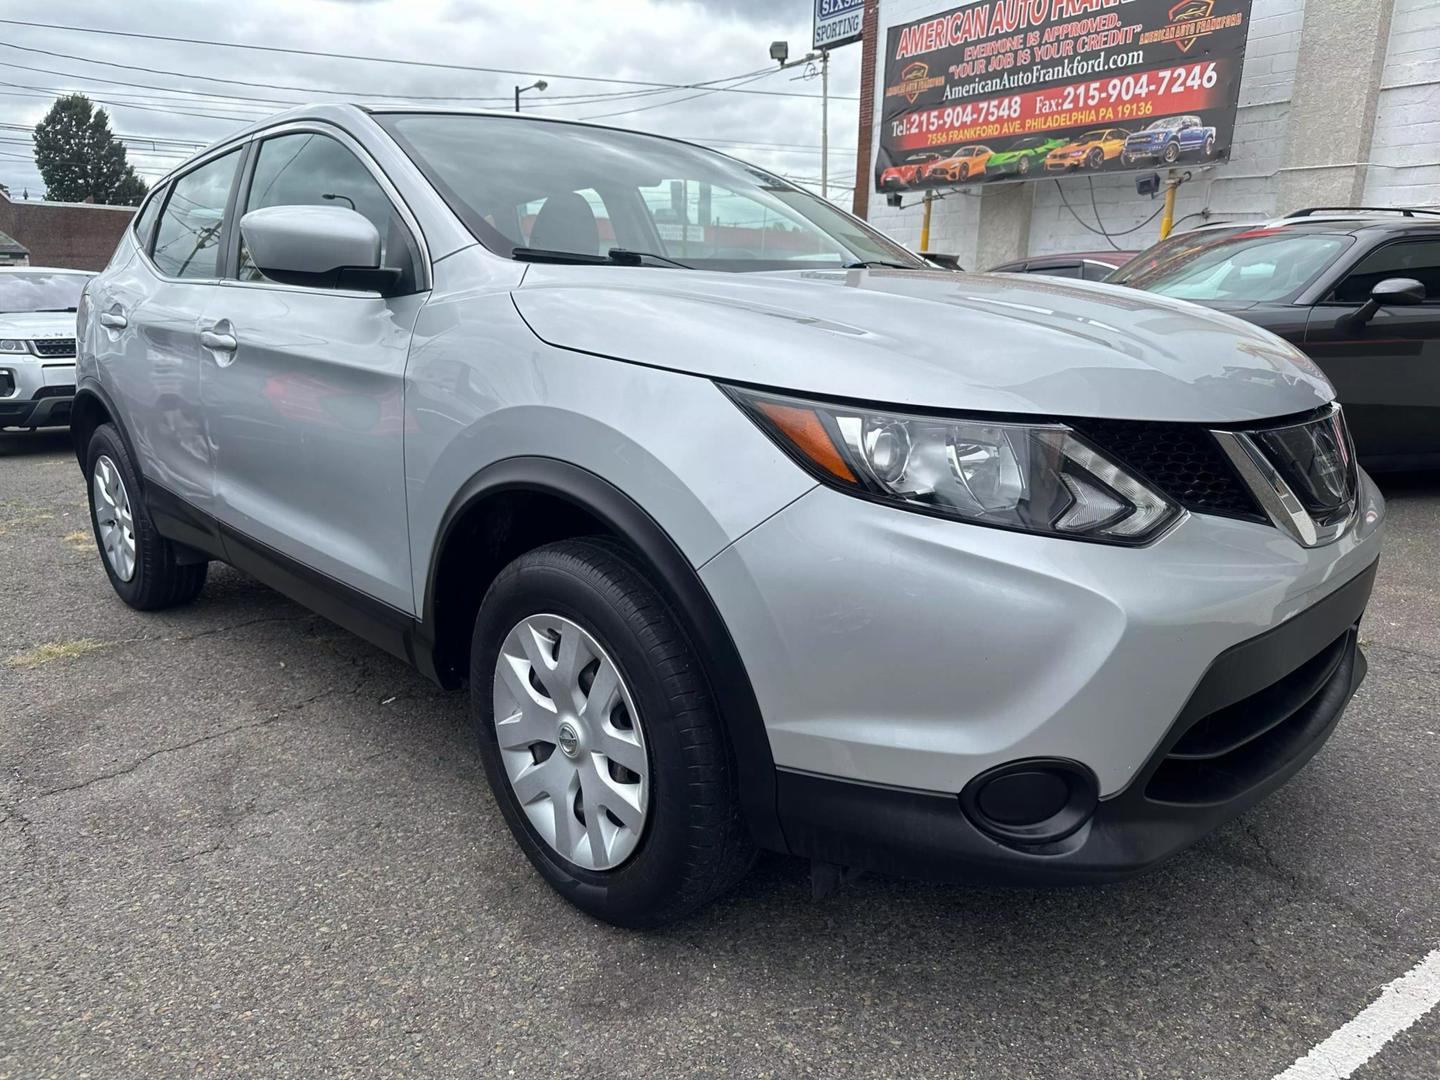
x: 825, y: 123
x: 780, y: 53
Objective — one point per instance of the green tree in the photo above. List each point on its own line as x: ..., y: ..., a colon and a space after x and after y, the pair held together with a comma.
x: 79, y: 158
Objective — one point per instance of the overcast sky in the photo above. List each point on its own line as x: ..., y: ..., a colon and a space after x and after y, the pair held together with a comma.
x: 669, y: 41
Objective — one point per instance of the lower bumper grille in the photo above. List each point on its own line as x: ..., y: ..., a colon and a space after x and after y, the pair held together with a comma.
x: 1226, y: 752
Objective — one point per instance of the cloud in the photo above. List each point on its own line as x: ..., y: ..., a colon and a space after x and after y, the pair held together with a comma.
x: 678, y: 41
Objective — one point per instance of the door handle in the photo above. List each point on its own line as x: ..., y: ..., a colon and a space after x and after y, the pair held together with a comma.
x: 218, y: 342
x: 113, y: 320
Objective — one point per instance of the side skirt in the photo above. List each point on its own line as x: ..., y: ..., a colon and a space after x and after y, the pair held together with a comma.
x: 399, y: 634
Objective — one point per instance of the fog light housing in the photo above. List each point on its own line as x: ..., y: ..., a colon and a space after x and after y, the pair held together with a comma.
x: 1031, y: 802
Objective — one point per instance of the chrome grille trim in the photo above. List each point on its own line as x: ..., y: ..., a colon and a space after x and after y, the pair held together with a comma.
x: 1284, y: 508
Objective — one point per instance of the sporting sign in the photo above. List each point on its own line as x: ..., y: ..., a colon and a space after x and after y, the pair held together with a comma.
x: 1028, y: 89
x: 837, y: 22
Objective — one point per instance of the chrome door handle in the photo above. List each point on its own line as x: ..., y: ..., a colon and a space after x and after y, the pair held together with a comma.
x: 113, y: 321
x: 218, y: 342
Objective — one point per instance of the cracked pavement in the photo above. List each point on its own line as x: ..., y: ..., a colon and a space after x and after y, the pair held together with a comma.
x: 235, y: 840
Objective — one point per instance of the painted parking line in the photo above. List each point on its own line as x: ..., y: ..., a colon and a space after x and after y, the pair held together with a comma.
x: 1399, y: 1005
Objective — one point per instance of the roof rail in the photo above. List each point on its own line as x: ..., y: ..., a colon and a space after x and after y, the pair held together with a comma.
x: 1405, y: 211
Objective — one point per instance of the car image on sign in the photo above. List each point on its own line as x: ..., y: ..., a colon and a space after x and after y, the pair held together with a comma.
x: 1167, y: 139
x: 1090, y: 150
x: 1023, y: 156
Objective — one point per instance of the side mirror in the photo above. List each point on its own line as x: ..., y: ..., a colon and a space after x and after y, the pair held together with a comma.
x: 1395, y: 291
x: 326, y: 247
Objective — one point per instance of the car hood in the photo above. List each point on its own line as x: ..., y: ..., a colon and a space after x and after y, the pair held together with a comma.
x: 984, y: 342
x: 37, y: 324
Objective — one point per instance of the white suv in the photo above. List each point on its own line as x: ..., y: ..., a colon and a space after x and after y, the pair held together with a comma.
x: 743, y: 528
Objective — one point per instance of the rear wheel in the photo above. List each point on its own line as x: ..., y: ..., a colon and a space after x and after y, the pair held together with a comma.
x: 142, y: 565
x: 601, y: 739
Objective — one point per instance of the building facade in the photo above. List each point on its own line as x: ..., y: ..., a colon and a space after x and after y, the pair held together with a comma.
x: 1339, y: 105
x: 78, y: 236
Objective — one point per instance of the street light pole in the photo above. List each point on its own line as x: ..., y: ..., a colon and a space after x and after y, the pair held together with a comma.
x: 538, y: 84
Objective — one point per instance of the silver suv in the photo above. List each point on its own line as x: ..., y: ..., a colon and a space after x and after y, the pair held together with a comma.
x: 37, y: 344
x: 744, y: 529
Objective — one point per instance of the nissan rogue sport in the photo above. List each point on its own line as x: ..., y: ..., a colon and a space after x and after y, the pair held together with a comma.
x: 743, y: 528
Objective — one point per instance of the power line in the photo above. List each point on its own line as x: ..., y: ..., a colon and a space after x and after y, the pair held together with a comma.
x: 361, y: 57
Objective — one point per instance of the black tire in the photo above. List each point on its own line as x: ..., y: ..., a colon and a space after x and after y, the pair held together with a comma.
x: 158, y: 581
x: 963, y: 173
x: 1209, y: 150
x: 1096, y: 158
x: 694, y: 846
x: 1172, y: 152
x: 1024, y: 166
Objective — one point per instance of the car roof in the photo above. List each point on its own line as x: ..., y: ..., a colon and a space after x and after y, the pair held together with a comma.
x: 45, y: 270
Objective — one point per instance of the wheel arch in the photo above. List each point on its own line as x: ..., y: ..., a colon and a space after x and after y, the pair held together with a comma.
x: 516, y: 504
x: 91, y: 408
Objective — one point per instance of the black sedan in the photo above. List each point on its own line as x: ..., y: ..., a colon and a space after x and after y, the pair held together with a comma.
x: 1357, y: 291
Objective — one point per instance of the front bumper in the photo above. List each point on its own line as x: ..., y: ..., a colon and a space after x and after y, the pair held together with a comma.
x: 896, y: 657
x: 1274, y: 700
x: 40, y: 391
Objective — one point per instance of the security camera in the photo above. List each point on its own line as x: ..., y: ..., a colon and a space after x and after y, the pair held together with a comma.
x: 1148, y: 184
x: 780, y: 51
x: 895, y: 199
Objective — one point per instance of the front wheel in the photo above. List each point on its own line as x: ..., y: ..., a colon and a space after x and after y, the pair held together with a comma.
x: 601, y: 739
x: 1096, y: 158
x: 144, y: 568
x: 1172, y: 153
x: 1024, y: 166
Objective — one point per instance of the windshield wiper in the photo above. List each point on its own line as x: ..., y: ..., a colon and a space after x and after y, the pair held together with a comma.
x: 614, y: 257
x: 51, y: 310
x: 876, y: 264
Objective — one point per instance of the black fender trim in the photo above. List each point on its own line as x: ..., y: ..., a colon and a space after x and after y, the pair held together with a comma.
x: 91, y: 388
x: 679, y: 584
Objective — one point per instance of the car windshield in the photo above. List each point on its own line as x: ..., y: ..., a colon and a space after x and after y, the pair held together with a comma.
x: 1165, y: 125
x: 558, y: 187
x: 1170, y: 253
x: 1252, y: 266
x: 39, y: 291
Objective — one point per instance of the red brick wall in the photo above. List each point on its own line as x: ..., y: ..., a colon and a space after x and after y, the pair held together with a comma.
x: 870, y: 28
x: 60, y: 234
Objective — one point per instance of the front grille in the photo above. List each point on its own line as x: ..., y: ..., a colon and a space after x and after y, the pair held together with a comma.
x: 54, y: 347
x: 1182, y: 461
x: 1226, y: 752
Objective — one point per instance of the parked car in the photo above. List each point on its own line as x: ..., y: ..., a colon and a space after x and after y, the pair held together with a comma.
x: 1358, y: 292
x: 905, y: 175
x: 1022, y: 156
x: 1167, y: 139
x: 37, y: 344
x: 1090, y: 150
x: 729, y: 551
x: 966, y: 163
x: 1089, y: 265
x: 1177, y: 247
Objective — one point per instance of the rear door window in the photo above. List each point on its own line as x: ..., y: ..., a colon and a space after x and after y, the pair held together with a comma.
x: 187, y: 240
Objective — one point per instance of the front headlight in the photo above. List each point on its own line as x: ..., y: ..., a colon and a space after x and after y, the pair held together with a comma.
x: 12, y: 345
x: 1040, y: 478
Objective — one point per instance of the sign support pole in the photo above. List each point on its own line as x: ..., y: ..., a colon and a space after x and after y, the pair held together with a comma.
x: 1167, y: 219
x: 925, y: 224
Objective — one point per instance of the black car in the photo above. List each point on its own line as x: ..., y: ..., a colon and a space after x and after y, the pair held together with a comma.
x: 1356, y: 289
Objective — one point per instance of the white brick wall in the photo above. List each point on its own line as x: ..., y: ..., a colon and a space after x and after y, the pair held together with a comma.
x: 1406, y: 142
x: 1405, y: 151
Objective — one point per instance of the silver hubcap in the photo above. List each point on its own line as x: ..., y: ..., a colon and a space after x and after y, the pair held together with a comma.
x: 571, y: 741
x: 112, y: 514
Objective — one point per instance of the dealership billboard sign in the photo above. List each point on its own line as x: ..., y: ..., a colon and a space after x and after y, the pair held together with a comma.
x: 1030, y: 89
x: 837, y: 22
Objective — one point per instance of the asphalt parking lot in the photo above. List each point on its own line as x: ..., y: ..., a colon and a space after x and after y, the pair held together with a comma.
x: 236, y: 840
